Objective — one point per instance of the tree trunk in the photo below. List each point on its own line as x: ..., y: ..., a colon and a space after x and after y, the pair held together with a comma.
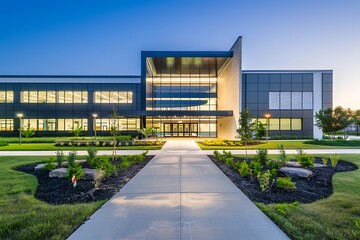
x: 246, y: 150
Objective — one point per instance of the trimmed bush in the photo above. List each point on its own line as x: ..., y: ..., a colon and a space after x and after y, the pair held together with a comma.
x: 303, y: 159
x: 59, y: 158
x: 334, y: 160
x: 244, y: 169
x: 261, y: 155
x: 3, y: 144
x: 50, y: 164
x: 285, y: 183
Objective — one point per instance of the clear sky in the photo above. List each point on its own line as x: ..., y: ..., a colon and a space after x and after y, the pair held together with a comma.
x: 106, y: 37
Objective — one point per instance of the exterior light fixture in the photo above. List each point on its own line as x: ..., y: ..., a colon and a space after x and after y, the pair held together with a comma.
x: 19, y: 115
x: 94, y: 122
x: 267, y: 116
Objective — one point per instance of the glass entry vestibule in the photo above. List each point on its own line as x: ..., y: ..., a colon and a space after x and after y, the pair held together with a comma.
x: 180, y: 129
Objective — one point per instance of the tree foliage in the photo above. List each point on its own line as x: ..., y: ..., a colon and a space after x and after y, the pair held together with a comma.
x: 27, y: 131
x: 77, y: 130
x: 147, y: 132
x: 246, y: 128
x: 333, y: 120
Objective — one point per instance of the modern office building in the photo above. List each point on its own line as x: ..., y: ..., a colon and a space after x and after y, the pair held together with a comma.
x: 180, y: 94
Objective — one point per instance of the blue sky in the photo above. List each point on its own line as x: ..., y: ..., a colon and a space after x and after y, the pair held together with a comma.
x: 106, y: 37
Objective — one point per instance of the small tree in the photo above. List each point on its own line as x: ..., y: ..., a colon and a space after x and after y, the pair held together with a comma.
x: 147, y: 132
x: 114, y: 130
x: 331, y: 121
x: 27, y: 131
x: 344, y: 117
x: 356, y: 120
x: 260, y: 131
x: 76, y: 130
x: 246, y: 128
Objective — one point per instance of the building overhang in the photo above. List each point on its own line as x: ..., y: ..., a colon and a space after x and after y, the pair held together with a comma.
x: 222, y: 113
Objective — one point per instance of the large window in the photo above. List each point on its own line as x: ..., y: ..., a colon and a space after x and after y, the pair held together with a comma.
x: 6, y: 96
x: 54, y: 124
x: 6, y: 124
x: 290, y: 100
x: 122, y: 124
x: 113, y: 97
x: 283, y: 123
x: 53, y: 97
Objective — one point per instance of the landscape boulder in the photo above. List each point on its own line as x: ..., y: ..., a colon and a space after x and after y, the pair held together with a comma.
x: 41, y: 166
x: 58, y: 172
x: 297, y: 165
x: 92, y: 174
x: 296, y: 172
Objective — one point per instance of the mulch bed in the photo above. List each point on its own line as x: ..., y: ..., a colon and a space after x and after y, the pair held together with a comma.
x: 61, y: 190
x: 307, y: 191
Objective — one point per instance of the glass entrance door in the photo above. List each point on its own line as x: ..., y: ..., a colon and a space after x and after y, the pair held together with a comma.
x: 180, y: 129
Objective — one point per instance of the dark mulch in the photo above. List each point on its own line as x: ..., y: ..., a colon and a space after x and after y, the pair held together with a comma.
x: 307, y: 191
x: 61, y: 190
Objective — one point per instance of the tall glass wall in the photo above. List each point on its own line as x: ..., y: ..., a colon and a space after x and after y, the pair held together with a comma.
x: 181, y: 84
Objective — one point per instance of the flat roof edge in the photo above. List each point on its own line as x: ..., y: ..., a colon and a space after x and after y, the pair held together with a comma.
x: 287, y: 71
x: 186, y: 54
x: 70, y: 76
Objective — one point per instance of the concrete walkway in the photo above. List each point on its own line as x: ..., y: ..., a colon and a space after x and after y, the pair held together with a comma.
x: 180, y: 194
x: 155, y: 152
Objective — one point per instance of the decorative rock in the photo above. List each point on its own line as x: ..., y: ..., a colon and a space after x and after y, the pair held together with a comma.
x: 59, y: 173
x: 296, y: 172
x: 92, y: 174
x: 297, y: 165
x: 41, y: 166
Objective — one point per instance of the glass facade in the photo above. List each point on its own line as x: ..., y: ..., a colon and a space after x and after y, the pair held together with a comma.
x: 53, y: 97
x: 6, y: 124
x: 6, y: 96
x: 122, y: 124
x: 113, y: 97
x: 283, y: 123
x: 183, y: 84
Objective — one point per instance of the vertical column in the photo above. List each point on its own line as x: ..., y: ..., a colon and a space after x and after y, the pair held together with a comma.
x: 317, y: 132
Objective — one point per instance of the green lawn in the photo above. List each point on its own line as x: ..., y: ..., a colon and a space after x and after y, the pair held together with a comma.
x: 24, y: 217
x: 292, y: 144
x: 331, y: 218
x: 52, y: 147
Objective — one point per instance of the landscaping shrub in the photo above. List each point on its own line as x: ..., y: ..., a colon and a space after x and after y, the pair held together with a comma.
x: 74, y: 170
x: 90, y: 158
x: 59, y: 158
x: 103, y: 163
x: 261, y: 155
x: 125, y: 164
x: 50, y: 164
x: 229, y: 162
x: 3, y: 144
x: 285, y: 183
x: 255, y: 167
x: 244, y: 169
x: 227, y: 154
x: 324, y: 160
x: 334, y: 160
x: 71, y: 158
x: 265, y: 180
x: 303, y: 159
x: 282, y: 154
x: 217, y: 154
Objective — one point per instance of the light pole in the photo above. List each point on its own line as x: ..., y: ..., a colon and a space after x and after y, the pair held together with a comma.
x: 19, y: 115
x: 267, y: 126
x: 94, y: 123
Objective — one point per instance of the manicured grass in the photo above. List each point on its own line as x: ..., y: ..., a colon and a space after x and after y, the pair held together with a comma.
x: 53, y: 139
x: 330, y: 218
x: 52, y: 147
x: 274, y: 145
x: 339, y: 142
x: 24, y: 217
